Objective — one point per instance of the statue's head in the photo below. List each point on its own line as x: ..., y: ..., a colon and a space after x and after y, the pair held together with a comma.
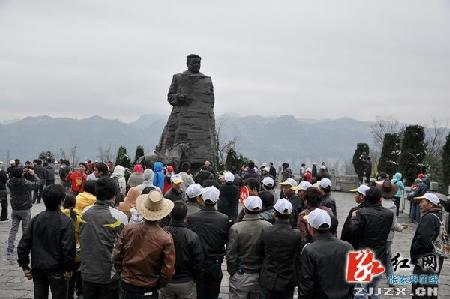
x: 193, y: 63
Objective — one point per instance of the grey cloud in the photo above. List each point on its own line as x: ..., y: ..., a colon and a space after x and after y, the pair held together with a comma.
x: 322, y: 59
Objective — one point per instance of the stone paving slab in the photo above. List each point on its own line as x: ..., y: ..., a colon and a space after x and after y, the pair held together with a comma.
x: 14, y: 285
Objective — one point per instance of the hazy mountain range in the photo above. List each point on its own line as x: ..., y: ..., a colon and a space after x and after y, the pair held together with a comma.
x: 283, y: 138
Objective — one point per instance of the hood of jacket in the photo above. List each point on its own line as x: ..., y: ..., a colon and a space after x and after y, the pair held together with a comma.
x: 148, y: 176
x: 119, y: 172
x: 158, y: 167
x: 397, y: 177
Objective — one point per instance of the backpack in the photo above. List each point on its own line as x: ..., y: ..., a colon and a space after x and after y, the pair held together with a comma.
x: 442, y: 243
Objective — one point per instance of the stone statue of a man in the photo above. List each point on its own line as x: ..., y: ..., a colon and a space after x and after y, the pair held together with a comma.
x: 190, y: 130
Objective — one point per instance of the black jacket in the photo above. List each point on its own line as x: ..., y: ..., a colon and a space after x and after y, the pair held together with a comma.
x: 323, y: 264
x: 281, y: 246
x: 3, y: 179
x: 49, y: 175
x: 329, y: 202
x: 50, y: 238
x: 229, y: 200
x: 189, y: 254
x: 297, y: 207
x: 212, y: 228
x: 273, y: 172
x: 251, y: 173
x: 20, y: 192
x: 39, y: 170
x: 346, y: 234
x: 371, y: 227
x: 426, y: 233
x: 202, y: 176
x: 174, y: 195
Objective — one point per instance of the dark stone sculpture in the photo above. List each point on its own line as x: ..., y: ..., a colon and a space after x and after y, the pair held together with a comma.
x: 190, y: 133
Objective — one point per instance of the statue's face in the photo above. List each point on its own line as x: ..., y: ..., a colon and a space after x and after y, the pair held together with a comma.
x: 194, y: 65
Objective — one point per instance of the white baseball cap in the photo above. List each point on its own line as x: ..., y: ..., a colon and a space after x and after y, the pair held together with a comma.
x: 211, y: 194
x: 283, y: 206
x: 361, y: 189
x: 325, y: 183
x: 308, y: 169
x: 431, y: 197
x: 229, y: 177
x: 253, y: 203
x: 290, y: 181
x: 268, y: 181
x: 194, y: 190
x: 305, y: 185
x: 317, y: 218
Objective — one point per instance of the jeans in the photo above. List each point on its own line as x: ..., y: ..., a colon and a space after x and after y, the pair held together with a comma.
x: 208, y: 285
x: 44, y: 279
x: 4, y: 204
x: 17, y: 216
x: 37, y: 194
x: 135, y: 292
x: 368, y: 290
x: 245, y: 285
x: 182, y: 290
x: 92, y: 290
x: 388, y: 264
x: 414, y: 213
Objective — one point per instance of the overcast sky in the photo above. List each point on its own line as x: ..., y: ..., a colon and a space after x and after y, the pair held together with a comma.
x: 312, y: 59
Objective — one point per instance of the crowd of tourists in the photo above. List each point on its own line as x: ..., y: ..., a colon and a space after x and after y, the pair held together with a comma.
x: 162, y: 232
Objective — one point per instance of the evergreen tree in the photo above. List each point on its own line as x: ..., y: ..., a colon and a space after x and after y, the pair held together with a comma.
x: 361, y: 153
x: 139, y: 153
x: 390, y: 154
x: 412, y: 153
x: 446, y: 165
x: 231, y: 160
x: 122, y: 157
x: 235, y: 159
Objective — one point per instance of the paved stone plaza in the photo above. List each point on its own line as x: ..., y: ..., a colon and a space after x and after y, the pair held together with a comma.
x: 14, y: 285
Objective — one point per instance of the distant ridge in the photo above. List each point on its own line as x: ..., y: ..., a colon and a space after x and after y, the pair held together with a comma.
x: 282, y: 138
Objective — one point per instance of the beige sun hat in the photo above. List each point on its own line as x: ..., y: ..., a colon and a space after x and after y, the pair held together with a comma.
x: 153, y: 206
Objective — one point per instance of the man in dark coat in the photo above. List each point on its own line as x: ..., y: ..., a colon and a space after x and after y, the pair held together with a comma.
x: 360, y: 196
x: 20, y: 193
x: 3, y: 195
x: 422, y: 250
x: 51, y: 242
x: 49, y: 173
x: 281, y: 246
x: 371, y: 225
x: 323, y: 262
x: 189, y: 256
x: 40, y: 172
x: 212, y: 228
x: 229, y: 197
x: 175, y: 193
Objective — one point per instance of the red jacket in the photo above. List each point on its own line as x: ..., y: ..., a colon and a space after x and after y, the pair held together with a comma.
x: 76, y: 181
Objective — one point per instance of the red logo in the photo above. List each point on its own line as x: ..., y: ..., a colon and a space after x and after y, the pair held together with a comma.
x: 362, y: 267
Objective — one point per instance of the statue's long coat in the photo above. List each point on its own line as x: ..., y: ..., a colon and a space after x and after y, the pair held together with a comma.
x: 193, y: 122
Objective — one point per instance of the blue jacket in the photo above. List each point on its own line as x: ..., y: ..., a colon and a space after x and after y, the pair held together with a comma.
x: 158, y: 179
x: 397, y: 180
